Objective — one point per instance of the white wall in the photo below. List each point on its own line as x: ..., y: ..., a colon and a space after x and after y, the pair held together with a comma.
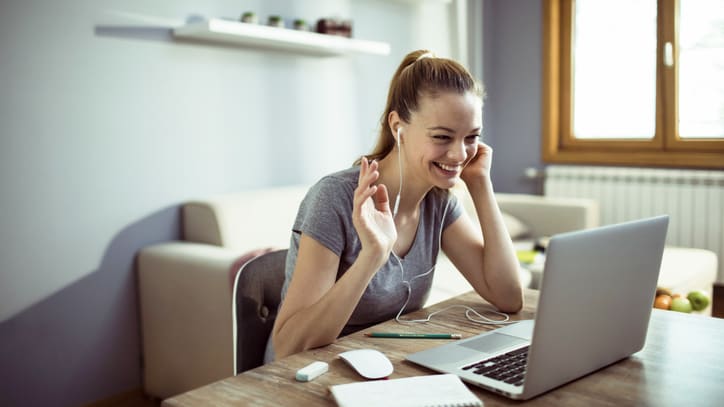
x: 107, y: 125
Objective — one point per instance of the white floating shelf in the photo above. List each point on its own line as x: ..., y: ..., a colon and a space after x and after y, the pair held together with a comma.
x: 261, y: 36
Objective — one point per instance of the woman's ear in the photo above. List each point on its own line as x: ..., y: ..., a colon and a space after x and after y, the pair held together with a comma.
x: 395, y: 123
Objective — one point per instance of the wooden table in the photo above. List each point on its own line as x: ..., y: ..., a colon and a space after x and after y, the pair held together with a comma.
x: 682, y: 364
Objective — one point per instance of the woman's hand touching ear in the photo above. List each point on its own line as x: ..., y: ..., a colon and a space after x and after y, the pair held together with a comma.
x: 479, y: 165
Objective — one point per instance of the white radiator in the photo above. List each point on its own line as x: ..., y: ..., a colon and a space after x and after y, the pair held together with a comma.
x: 693, y: 199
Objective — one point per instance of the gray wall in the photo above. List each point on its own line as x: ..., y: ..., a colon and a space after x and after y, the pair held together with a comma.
x: 512, y: 74
x: 107, y: 125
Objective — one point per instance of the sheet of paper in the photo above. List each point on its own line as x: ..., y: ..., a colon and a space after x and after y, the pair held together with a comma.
x: 416, y: 391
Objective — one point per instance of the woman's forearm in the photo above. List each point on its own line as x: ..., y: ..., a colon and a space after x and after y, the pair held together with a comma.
x: 500, y: 264
x: 321, y: 323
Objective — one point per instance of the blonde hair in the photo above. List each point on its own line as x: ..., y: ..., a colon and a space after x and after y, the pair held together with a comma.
x: 420, y: 73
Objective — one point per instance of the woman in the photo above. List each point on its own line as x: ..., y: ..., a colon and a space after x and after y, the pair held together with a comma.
x: 366, y: 239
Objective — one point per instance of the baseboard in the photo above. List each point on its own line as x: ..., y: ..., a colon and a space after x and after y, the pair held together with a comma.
x: 135, y: 398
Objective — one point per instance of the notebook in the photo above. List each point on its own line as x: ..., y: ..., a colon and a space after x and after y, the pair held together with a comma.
x: 595, y: 302
x: 416, y: 391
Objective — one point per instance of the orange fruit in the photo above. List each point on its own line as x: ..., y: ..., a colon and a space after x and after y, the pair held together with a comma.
x: 662, y: 301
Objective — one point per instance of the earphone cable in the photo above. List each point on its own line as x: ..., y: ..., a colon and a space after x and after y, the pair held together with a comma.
x: 470, y: 313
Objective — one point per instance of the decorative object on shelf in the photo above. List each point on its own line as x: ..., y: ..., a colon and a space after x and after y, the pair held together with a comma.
x: 347, y: 28
x: 217, y: 30
x: 249, y: 17
x: 300, y: 25
x: 275, y: 21
x: 333, y: 26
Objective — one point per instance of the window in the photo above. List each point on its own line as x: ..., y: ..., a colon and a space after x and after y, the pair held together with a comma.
x: 634, y: 82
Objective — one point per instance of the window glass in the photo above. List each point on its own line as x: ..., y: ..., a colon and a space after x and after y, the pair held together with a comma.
x: 614, y: 73
x: 701, y: 69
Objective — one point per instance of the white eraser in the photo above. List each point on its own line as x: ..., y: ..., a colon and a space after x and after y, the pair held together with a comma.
x: 312, y: 371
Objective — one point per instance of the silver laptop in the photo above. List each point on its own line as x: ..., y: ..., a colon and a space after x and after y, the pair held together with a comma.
x: 595, y: 302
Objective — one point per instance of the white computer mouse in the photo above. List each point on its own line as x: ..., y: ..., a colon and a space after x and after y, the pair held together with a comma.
x: 369, y: 363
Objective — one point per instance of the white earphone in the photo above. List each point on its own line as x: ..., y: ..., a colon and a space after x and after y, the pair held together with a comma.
x: 399, y: 162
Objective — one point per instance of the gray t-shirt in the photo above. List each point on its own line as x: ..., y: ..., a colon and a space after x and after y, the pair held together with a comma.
x: 325, y: 215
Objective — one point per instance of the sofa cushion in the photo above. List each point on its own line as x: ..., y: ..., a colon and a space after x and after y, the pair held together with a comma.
x: 244, y: 221
x: 686, y: 269
x: 516, y: 228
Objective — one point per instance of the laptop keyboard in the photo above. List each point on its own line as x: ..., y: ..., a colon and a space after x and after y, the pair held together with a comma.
x: 508, y: 367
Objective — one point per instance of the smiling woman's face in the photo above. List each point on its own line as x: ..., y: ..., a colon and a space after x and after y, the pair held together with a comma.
x: 442, y: 137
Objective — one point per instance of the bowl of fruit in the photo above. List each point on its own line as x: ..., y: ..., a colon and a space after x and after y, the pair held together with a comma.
x: 696, y: 300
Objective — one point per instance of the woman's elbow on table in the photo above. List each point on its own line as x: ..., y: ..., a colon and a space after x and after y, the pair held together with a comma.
x: 512, y: 306
x: 510, y: 302
x: 286, y: 345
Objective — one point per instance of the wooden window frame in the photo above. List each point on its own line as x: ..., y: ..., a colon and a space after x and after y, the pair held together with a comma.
x: 666, y: 149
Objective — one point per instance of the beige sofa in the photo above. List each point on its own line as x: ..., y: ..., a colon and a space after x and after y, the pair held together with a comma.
x: 185, y: 286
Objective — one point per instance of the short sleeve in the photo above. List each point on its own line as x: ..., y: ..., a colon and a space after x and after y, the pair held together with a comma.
x: 454, y: 209
x: 325, y: 213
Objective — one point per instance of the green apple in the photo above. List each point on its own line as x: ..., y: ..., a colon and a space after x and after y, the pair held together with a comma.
x: 681, y: 304
x: 699, y: 300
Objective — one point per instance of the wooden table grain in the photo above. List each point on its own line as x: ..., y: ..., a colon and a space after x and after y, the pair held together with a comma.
x: 682, y: 364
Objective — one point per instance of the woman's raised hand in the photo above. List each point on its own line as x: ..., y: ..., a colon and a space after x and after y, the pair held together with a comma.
x: 371, y: 214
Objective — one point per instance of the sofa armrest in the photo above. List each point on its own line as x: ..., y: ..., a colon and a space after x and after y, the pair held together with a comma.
x: 546, y: 216
x: 185, y: 301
